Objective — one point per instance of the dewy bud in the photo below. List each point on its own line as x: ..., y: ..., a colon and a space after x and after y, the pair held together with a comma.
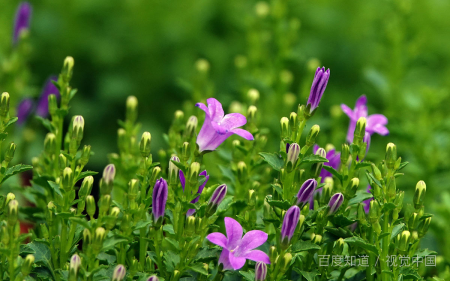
x: 85, y: 155
x: 360, y: 130
x: 312, y: 135
x: 284, y: 127
x: 13, y: 211
x: 9, y: 154
x: 216, y: 198
x: 90, y: 205
x: 306, y: 192
x: 144, y: 145
x: 119, y: 273
x: 153, y: 278
x: 131, y: 112
x: 50, y: 144
x: 260, y: 271
x: 292, y: 156
x: 67, y: 179
x: 253, y: 95
x: 27, y: 264
x: 335, y: 203
x: 419, y: 194
x: 86, y: 187
x: 191, y: 126
x: 75, y: 263
x: 345, y: 154
x: 290, y: 221
x: 391, y: 155
x: 173, y: 170
x: 4, y: 104
x: 404, y: 241
x: 242, y: 172
x: 160, y: 193
x: 78, y: 128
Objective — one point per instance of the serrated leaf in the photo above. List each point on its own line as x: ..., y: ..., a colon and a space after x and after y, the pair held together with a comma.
x: 273, y: 159
x: 171, y: 260
x: 110, y: 243
x: 409, y: 272
x: 198, y: 267
x: 284, y: 205
x: 362, y: 244
x: 310, y: 276
x: 361, y: 195
x: 248, y: 275
x: 314, y: 159
x: 168, y: 228
x: 388, y: 207
x: 333, y: 172
x: 304, y: 246
x: 80, y: 221
x: 205, y: 254
x: 425, y: 252
x: 396, y: 230
x: 84, y: 174
x: 362, y: 164
x: 55, y: 187
x: 42, y: 254
x: 341, y: 221
x: 11, y: 171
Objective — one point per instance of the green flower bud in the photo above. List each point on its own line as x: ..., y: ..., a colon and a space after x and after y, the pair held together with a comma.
x: 173, y: 170
x: 292, y: 156
x: 9, y: 197
x: 190, y: 225
x: 202, y: 66
x: 99, y: 236
x: 4, y: 235
x: 273, y: 254
x: 413, y: 220
x: 78, y: 128
x: 392, y: 188
x: 67, y: 179
x: 360, y: 130
x: 374, y: 211
x: 85, y: 155
x: 376, y: 227
x: 185, y: 151
x: 87, y: 239
x: 74, y: 267
x: 352, y: 187
x: 423, y: 226
x: 179, y: 116
x: 251, y: 197
x: 399, y: 200
x: 191, y: 126
x: 131, y: 109
x: 242, y: 172
x: 86, y: 187
x: 404, y: 241
x: 253, y: 95
x: 284, y: 127
x: 317, y: 167
x: 312, y: 135
x: 156, y: 171
x: 4, y: 104
x: 251, y: 113
x: 52, y: 104
x: 293, y: 121
x: 345, y: 154
x: 361, y: 214
x: 107, y: 181
x: 104, y: 204
x: 193, y: 172
x: 327, y: 189
x: 133, y: 189
x: 316, y: 238
x: 90, y: 205
x: 50, y: 144
x: 419, y: 194
x: 301, y: 220
x: 51, y: 208
x: 144, y: 145
x: 339, y: 246
x: 67, y: 69
x: 9, y: 154
x: 286, y: 261
x: 13, y: 212
x: 62, y: 161
x: 391, y: 155
x: 27, y: 264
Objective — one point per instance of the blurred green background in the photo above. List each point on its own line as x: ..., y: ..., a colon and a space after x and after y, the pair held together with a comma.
x: 394, y: 51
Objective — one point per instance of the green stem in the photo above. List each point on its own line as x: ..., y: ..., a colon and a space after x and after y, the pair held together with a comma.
x: 63, y: 258
x: 11, y: 248
x: 142, y: 248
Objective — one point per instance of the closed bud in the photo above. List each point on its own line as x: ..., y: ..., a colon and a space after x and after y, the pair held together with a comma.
x: 339, y: 246
x: 90, y: 205
x: 67, y: 179
x: 153, y: 278
x: 27, y: 264
x: 312, y: 135
x: 144, y: 145
x: 193, y: 172
x: 419, y: 194
x: 62, y: 161
x: 99, y: 236
x: 160, y: 193
x: 391, y: 155
x: 345, y: 154
x: 360, y: 130
x: 361, y: 214
x: 4, y: 104
x: 85, y: 155
x: 286, y: 261
x: 260, y: 271
x: 316, y: 238
x: 292, y: 156
x: 67, y: 69
x: 423, y: 226
x: 328, y: 188
x: 78, y: 128
x: 119, y: 273
x: 132, y: 109
x: 155, y: 173
x: 253, y: 95
x: 284, y: 127
x: 251, y: 113
x: 335, y: 203
x: 306, y: 192
x: 191, y: 126
x: 252, y: 197
x: 74, y: 267
x: 242, y: 172
x: 104, y: 204
x: 413, y: 220
x: 9, y: 153
x: 9, y: 197
x: 107, y: 182
x: 86, y: 187
x: 352, y: 187
x: 87, y: 237
x: 374, y: 211
x: 133, y: 189
x: 293, y: 121
x: 52, y: 104
x: 190, y: 225
x: 290, y: 222
x: 399, y: 200
x: 50, y: 144
x: 404, y: 241
x: 216, y: 198
x: 13, y: 212
x: 173, y: 170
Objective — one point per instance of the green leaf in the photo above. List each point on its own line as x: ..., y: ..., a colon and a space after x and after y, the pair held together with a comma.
x: 171, y: 260
x: 363, y: 164
x: 425, y: 252
x: 111, y: 242
x: 205, y: 254
x: 273, y: 159
x: 248, y: 275
x: 284, y: 205
x: 278, y: 188
x: 396, y: 230
x: 388, y: 207
x: 80, y: 221
x: 198, y: 267
x: 179, y: 165
x: 409, y: 272
x: 55, y: 188
x: 142, y: 224
x: 15, y: 170
x: 168, y: 228
x: 109, y: 259
x: 372, y: 179
x: 174, y: 242
x: 333, y: 172
x: 304, y: 246
x: 226, y: 203
x: 11, y: 121
x: 228, y: 173
x: 85, y: 174
x: 42, y: 254
x: 46, y: 123
x: 362, y: 243
x: 314, y: 159
x: 361, y: 195
x: 402, y: 165
x: 341, y: 221
x: 310, y: 276
x: 3, y: 136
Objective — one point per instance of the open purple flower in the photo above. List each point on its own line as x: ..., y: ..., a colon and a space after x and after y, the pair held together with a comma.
x: 318, y: 87
x: 376, y: 123
x: 217, y: 127
x: 24, y: 109
x: 237, y: 249
x: 22, y: 21
x: 367, y: 202
x: 49, y: 88
x: 190, y: 212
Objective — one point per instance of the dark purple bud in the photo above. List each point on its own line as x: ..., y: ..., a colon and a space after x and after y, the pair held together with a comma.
x: 335, y: 203
x: 287, y: 147
x: 24, y: 110
x: 190, y: 212
x: 290, y: 222
x: 153, y: 278
x: 49, y: 88
x: 216, y: 198
x: 160, y: 193
x: 318, y: 87
x: 22, y: 21
x: 260, y: 271
x: 119, y: 273
x: 306, y: 191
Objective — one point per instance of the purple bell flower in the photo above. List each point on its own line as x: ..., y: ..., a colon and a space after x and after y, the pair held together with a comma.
x: 22, y: 21
x: 190, y: 212
x: 318, y: 88
x: 24, y: 109
x: 49, y: 88
x: 290, y: 222
x: 160, y: 193
x: 376, y: 123
x: 306, y: 192
x: 237, y: 249
x: 218, y: 127
x: 335, y: 203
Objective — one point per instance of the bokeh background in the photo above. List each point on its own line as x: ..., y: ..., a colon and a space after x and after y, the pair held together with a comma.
x: 170, y: 54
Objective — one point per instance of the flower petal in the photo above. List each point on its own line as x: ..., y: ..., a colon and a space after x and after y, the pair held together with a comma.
x: 225, y: 259
x: 236, y: 262
x: 361, y: 101
x: 379, y: 129
x: 243, y: 133
x: 375, y: 119
x: 360, y: 108
x: 257, y: 255
x: 315, y: 148
x: 233, y: 120
x: 234, y: 232
x: 347, y: 110
x: 182, y: 179
x: 218, y: 238
x: 215, y: 109
x: 203, y: 107
x: 251, y: 240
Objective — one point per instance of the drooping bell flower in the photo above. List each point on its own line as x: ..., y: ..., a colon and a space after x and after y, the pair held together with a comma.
x: 24, y: 109
x: 22, y: 21
x: 160, y: 193
x: 376, y: 123
x: 190, y: 212
x: 318, y: 88
x: 49, y: 88
x: 290, y: 222
x: 218, y: 127
x: 237, y: 249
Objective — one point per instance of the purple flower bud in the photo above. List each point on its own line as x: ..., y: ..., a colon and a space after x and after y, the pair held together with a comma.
x: 24, y: 110
x: 293, y: 152
x: 160, y: 193
x: 153, y: 278
x: 22, y: 21
x: 119, y: 273
x: 260, y: 271
x: 49, y: 88
x: 335, y: 202
x: 287, y: 147
x: 290, y: 222
x: 318, y: 87
x: 75, y: 263
x: 306, y: 191
x: 109, y: 173
x: 218, y: 195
